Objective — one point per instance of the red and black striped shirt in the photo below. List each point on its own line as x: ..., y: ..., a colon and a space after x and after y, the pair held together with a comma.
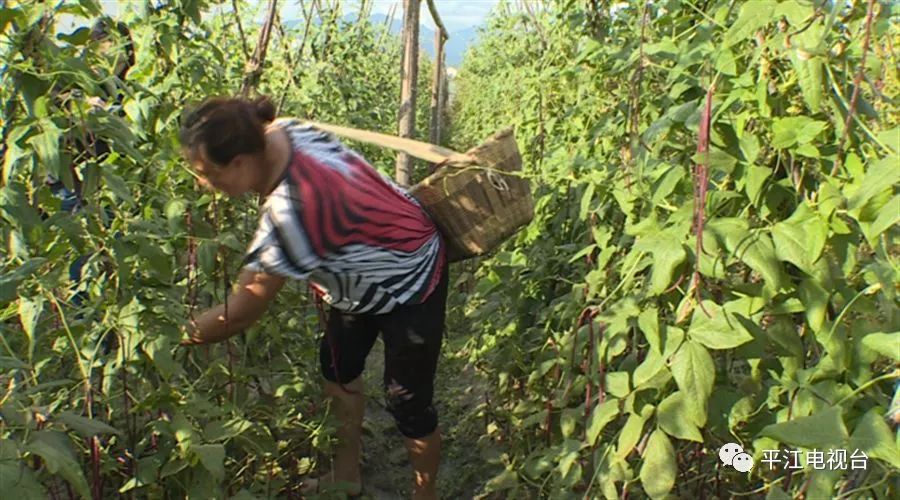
x: 362, y: 241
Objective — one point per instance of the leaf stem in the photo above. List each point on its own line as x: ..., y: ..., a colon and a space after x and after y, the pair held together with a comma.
x: 704, y: 14
x: 85, y: 374
x: 862, y: 125
x: 857, y: 82
x: 847, y: 307
x: 893, y: 374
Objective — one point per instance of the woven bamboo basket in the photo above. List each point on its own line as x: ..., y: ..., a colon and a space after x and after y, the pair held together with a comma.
x: 477, y: 205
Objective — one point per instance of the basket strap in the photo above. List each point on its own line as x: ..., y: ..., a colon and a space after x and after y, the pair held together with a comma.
x: 422, y: 150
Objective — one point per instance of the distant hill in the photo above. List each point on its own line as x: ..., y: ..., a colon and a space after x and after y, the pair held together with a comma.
x: 456, y: 44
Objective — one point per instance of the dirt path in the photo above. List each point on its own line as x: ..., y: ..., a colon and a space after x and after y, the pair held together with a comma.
x: 459, y: 391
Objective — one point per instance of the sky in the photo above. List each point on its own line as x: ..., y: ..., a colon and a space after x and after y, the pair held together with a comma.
x: 456, y: 14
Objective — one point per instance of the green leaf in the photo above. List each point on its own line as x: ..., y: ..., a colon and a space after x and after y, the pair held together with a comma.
x: 244, y: 495
x: 666, y: 183
x: 630, y: 435
x: 752, y: 16
x: 819, y: 430
x: 505, y: 480
x: 660, y: 467
x: 117, y: 186
x: 885, y: 344
x: 719, y: 330
x: 756, y: 178
x: 891, y: 138
x: 815, y: 301
x: 19, y: 481
x: 674, y: 417
x: 695, y: 374
x: 725, y: 62
x: 581, y: 253
x: 223, y: 431
x: 78, y: 37
x: 568, y: 454
x: 568, y: 421
x: 888, y: 217
x: 56, y: 450
x: 160, y: 351
x: 873, y: 436
x: 175, y: 211
x: 809, y: 74
x: 46, y: 145
x: 86, y: 427
x: 212, y: 456
x: 145, y: 473
x: 668, y: 254
x: 648, y: 322
x: 174, y: 467
x: 206, y: 256
x: 184, y: 433
x: 801, y: 238
x: 91, y: 7
x: 716, y: 159
x: 782, y: 334
x: 808, y: 150
x: 10, y: 363
x: 586, y: 200
x: 29, y: 315
x: 880, y: 176
x: 617, y: 384
x: 795, y: 130
x: 9, y: 283
x: 130, y: 321
x: 651, y: 365
x: 796, y: 12
x: 603, y: 414
x: 7, y: 16
x: 752, y: 247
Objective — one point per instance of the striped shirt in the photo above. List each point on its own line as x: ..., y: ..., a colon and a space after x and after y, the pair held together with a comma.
x: 364, y: 243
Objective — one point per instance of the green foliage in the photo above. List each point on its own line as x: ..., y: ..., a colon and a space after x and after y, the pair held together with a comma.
x: 96, y: 389
x: 779, y: 339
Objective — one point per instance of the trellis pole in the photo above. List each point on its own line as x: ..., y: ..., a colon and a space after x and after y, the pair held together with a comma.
x: 408, y: 76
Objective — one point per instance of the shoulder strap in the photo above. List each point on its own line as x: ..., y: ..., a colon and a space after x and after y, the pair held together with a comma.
x: 422, y: 150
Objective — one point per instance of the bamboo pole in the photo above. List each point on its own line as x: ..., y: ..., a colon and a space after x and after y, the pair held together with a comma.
x: 240, y: 27
x: 437, y: 19
x: 254, y: 67
x: 308, y: 15
x: 408, y: 76
x: 440, y: 37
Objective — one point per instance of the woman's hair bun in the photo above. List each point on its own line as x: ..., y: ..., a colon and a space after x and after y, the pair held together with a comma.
x: 265, y: 110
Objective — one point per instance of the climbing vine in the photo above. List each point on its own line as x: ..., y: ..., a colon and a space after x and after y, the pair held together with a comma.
x: 97, y: 399
x: 716, y: 233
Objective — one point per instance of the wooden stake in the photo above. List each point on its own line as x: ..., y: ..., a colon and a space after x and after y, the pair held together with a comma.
x: 437, y: 81
x: 440, y: 75
x: 408, y: 77
x: 254, y: 67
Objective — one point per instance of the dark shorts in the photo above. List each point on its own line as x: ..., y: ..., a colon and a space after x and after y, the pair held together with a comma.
x: 412, y: 336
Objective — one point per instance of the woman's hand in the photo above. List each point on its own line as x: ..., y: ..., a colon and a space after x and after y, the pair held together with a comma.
x: 189, y: 334
x: 245, y: 305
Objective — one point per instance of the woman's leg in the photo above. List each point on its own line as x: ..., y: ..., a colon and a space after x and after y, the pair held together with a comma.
x: 425, y: 456
x: 342, y: 355
x: 412, y: 346
x: 349, y: 405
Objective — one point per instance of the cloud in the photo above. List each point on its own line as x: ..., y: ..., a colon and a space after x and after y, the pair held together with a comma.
x: 455, y: 14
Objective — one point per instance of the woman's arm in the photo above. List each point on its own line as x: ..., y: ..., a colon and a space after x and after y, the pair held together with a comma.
x: 246, y: 305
